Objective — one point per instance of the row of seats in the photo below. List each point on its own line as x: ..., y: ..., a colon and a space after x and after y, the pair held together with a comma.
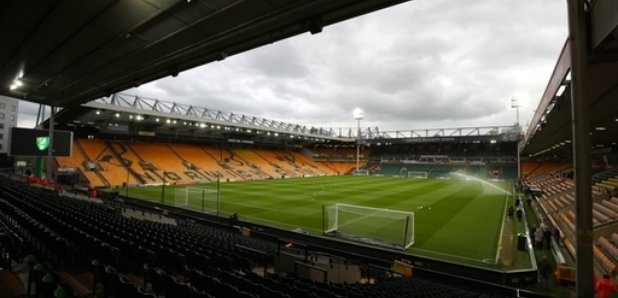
x: 558, y: 200
x: 609, y: 184
x: 607, y: 252
x: 105, y: 163
x: 128, y: 243
x: 604, y: 175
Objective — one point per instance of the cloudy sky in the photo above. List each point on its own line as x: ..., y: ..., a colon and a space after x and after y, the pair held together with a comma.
x: 421, y: 64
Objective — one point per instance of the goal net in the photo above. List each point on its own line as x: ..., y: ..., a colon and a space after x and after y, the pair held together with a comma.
x: 199, y: 199
x: 361, y: 172
x: 376, y: 226
x: 418, y: 175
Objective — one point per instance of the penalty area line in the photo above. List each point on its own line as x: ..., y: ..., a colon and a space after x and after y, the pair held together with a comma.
x: 251, y: 206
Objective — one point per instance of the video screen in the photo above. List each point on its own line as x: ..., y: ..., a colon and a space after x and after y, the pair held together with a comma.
x: 36, y: 142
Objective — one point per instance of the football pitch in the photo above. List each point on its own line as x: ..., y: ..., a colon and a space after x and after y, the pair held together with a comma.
x: 456, y: 220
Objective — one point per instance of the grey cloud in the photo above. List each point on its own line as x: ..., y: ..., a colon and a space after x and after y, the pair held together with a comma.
x: 27, y: 114
x: 284, y: 61
x: 428, y: 63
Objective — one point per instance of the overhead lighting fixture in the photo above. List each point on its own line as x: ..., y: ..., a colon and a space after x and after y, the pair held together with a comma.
x: 168, y: 121
x: 98, y: 112
x: 13, y: 87
x: 157, y: 119
x: 600, y: 128
x: 19, y: 83
x: 117, y: 115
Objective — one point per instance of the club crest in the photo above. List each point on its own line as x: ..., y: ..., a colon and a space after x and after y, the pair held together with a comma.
x: 42, y: 143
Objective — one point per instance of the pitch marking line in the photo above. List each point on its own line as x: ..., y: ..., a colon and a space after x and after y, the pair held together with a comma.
x: 250, y: 206
x: 455, y: 256
x: 506, y: 202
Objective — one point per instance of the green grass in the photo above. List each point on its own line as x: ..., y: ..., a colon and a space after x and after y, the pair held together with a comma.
x: 455, y: 220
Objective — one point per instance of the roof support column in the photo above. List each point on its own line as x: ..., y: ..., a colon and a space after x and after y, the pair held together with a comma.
x: 50, y: 150
x: 578, y: 34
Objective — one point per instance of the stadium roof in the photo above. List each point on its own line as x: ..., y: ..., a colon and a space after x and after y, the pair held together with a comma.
x: 64, y: 53
x: 550, y: 132
x: 131, y: 115
x: 123, y: 114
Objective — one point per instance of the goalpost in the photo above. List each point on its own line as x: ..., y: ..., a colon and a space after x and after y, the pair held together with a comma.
x: 199, y: 199
x: 418, y: 174
x: 376, y: 226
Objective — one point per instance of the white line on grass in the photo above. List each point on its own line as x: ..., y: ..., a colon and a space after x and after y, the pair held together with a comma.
x: 450, y: 255
x: 250, y: 206
x: 506, y: 203
x: 279, y: 223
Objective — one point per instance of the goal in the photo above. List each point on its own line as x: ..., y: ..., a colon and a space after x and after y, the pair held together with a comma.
x: 361, y: 172
x: 199, y: 199
x: 418, y: 175
x: 376, y: 226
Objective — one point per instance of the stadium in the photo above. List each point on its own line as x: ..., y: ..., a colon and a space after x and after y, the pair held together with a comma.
x: 115, y: 194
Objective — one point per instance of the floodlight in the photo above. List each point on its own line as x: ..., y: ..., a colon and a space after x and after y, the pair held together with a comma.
x: 359, y: 114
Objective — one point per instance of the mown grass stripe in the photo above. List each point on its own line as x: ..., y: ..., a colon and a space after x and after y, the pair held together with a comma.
x: 453, y: 218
